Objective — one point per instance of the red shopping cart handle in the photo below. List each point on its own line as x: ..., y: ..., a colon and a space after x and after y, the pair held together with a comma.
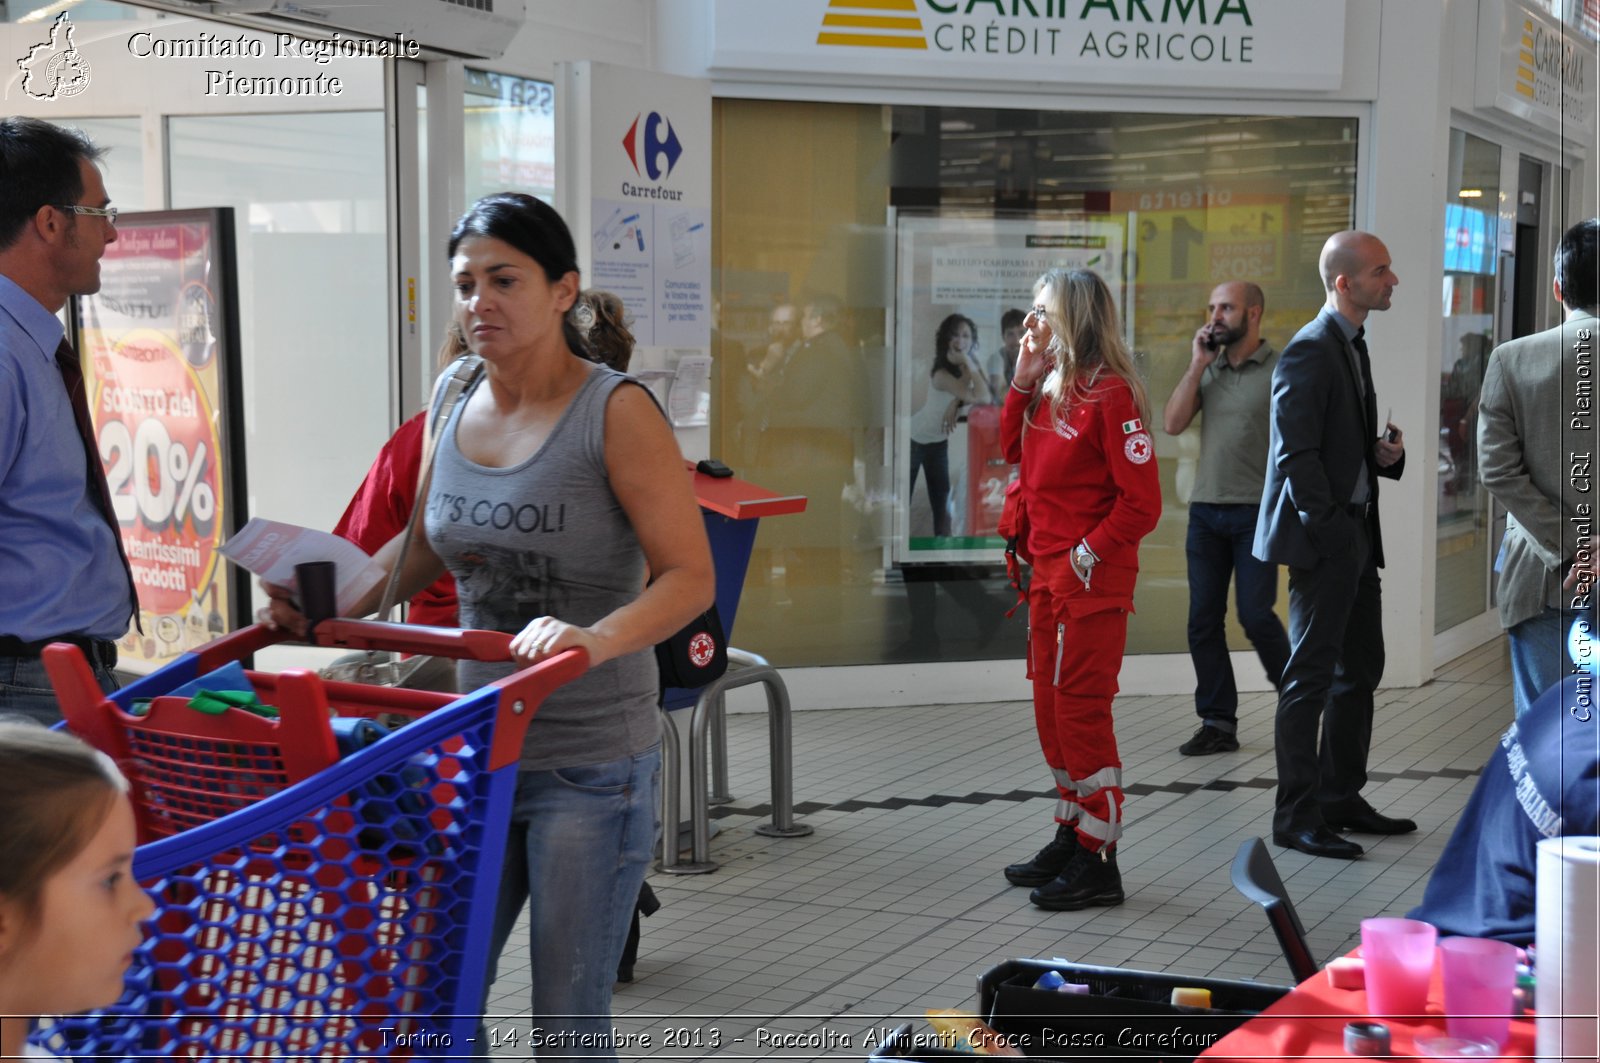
x: 466, y: 644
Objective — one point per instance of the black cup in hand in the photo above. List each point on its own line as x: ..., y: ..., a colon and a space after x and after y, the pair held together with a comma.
x: 317, y: 583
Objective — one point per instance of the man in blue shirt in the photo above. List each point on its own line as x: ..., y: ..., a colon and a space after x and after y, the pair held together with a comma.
x: 63, y: 574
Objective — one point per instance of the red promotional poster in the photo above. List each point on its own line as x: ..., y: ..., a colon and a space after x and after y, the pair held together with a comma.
x: 158, y: 363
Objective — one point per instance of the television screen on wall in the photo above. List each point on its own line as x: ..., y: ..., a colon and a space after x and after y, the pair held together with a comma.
x: 1468, y: 239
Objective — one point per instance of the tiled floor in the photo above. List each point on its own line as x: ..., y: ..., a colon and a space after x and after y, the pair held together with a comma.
x: 896, y: 902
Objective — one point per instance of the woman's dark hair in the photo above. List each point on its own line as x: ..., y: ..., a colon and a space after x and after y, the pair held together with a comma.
x: 941, y: 343
x: 533, y: 227
x: 610, y: 339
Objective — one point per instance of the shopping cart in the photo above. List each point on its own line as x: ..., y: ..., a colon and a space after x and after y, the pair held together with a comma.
x: 309, y: 906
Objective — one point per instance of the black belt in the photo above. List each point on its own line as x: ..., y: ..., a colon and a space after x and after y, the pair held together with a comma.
x: 1360, y: 510
x: 99, y: 651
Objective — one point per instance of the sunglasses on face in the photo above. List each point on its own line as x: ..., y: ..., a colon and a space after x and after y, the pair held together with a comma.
x: 108, y: 213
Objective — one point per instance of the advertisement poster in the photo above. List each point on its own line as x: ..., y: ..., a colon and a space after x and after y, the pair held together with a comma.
x: 160, y: 361
x: 658, y: 260
x: 947, y: 269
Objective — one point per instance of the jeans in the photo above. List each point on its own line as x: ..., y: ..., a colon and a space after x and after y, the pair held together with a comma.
x: 1219, y: 548
x: 581, y: 839
x: 1539, y: 655
x: 934, y: 459
x: 25, y: 688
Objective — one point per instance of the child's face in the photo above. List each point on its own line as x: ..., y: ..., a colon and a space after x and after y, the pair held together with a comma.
x: 73, y: 956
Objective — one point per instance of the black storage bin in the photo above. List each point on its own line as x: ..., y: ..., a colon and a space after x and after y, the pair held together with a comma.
x: 1125, y: 1015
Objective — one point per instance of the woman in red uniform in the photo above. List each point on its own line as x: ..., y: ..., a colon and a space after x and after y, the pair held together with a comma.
x: 1074, y: 419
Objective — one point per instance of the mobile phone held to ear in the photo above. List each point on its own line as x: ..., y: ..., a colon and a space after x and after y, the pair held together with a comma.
x: 713, y: 468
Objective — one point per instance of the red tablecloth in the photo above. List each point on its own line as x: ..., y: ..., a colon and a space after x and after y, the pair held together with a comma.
x: 1310, y: 1022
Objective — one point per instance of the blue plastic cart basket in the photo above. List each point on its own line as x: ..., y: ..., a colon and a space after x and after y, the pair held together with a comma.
x: 345, y: 915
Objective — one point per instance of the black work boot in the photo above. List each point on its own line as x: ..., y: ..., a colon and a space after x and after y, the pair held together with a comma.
x: 1050, y: 862
x: 1090, y: 879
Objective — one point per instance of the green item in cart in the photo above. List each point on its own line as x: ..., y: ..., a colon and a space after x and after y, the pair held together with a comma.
x: 217, y: 702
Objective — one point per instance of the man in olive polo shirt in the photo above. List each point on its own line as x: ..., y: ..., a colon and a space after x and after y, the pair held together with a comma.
x: 1230, y: 378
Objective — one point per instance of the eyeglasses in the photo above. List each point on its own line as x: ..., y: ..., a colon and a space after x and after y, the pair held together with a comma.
x: 108, y: 213
x: 1038, y: 311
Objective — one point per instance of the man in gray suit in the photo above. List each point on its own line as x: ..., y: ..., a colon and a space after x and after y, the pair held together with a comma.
x: 1535, y: 452
x: 1319, y: 516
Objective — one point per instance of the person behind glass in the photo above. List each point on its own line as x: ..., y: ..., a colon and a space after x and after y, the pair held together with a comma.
x: 64, y: 576
x: 1230, y: 379
x: 954, y: 379
x: 783, y: 335
x: 70, y: 910
x: 1074, y: 420
x: 586, y: 457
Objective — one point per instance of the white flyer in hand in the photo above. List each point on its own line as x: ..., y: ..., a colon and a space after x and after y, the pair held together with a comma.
x: 271, y: 549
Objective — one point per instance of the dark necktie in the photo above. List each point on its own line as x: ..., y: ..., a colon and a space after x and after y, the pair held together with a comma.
x: 1369, y: 395
x: 99, y: 491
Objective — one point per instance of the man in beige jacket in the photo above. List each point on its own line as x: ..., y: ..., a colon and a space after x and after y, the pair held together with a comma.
x: 1536, y: 449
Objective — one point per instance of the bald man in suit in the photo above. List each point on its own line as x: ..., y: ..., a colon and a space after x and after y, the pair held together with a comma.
x: 1319, y: 517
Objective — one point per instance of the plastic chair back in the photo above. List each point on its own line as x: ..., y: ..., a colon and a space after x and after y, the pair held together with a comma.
x: 1255, y: 876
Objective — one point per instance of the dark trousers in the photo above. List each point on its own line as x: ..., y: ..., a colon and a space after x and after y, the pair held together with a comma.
x: 1219, y: 549
x: 1335, y: 662
x: 934, y: 459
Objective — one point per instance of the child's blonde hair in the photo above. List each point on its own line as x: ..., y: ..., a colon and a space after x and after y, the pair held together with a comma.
x: 1086, y: 341
x: 55, y: 792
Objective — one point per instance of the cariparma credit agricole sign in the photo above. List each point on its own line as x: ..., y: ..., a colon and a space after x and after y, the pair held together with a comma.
x: 1259, y: 44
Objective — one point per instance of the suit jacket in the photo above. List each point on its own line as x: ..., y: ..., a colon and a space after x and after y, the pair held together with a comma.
x: 1535, y: 463
x: 1323, y: 429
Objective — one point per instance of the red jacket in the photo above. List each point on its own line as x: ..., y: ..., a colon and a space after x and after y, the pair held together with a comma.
x: 1091, y: 478
x: 380, y: 509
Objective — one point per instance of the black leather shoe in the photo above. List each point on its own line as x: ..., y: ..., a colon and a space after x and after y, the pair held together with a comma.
x: 1208, y: 740
x: 1090, y: 880
x: 1368, y: 821
x: 1051, y: 861
x: 1318, y: 841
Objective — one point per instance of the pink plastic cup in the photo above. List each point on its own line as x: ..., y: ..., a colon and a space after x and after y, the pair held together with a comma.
x: 1478, y: 977
x: 1399, y: 957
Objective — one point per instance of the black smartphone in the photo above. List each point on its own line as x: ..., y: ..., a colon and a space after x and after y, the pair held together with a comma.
x: 714, y: 468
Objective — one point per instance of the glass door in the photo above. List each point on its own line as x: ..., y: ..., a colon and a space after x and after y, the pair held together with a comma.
x: 1472, y: 274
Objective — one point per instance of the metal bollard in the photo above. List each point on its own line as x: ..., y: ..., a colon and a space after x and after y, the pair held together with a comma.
x: 719, y: 748
x: 745, y: 669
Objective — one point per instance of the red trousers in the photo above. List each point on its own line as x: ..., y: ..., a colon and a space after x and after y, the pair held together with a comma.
x: 1076, y: 636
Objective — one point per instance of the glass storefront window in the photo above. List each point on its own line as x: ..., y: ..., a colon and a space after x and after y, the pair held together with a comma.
x: 510, y: 135
x: 815, y: 337
x: 1471, y: 266
x: 312, y: 248
x: 123, y: 164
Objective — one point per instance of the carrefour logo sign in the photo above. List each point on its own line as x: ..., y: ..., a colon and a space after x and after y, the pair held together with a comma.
x: 654, y: 149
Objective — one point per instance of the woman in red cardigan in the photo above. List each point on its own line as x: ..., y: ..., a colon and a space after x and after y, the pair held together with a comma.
x: 1074, y: 419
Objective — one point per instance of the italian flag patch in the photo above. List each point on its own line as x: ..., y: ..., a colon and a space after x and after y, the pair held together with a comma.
x: 1130, y: 427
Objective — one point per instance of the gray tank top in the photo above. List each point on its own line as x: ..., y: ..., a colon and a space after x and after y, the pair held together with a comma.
x: 548, y: 537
